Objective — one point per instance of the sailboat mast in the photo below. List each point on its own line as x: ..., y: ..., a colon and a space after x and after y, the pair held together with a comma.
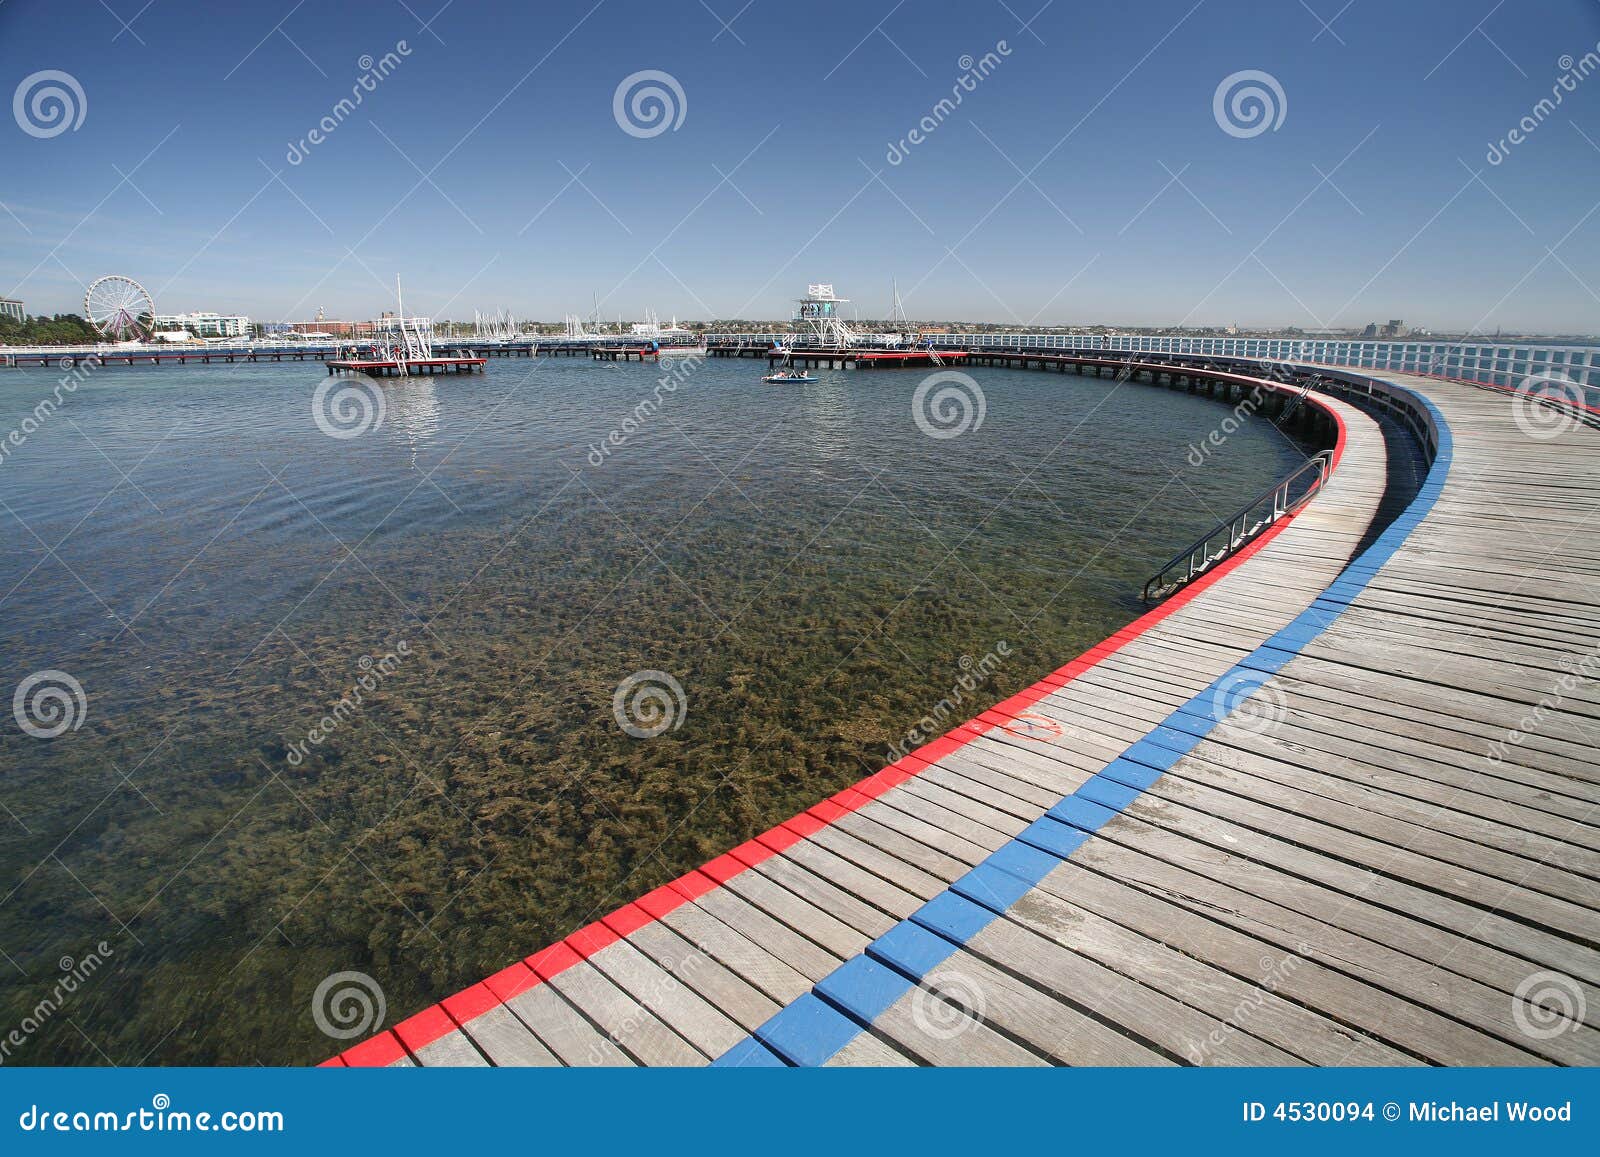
x: 405, y: 342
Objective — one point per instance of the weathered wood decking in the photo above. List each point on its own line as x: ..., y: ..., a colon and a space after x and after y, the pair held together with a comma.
x: 1309, y: 812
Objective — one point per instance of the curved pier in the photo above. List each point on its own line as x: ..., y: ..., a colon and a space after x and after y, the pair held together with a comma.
x: 1333, y: 802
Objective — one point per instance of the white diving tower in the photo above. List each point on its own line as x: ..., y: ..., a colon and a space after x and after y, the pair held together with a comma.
x: 818, y: 313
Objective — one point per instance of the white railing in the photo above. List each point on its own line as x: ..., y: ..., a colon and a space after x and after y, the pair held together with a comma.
x: 1245, y: 524
x: 1503, y: 364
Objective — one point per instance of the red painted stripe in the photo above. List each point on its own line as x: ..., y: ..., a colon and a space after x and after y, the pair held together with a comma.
x: 470, y: 1002
x: 557, y: 958
x: 589, y: 939
x: 654, y: 905
x: 374, y: 1052
x: 723, y: 868
x: 628, y: 919
x: 511, y: 981
x: 826, y: 812
x: 662, y: 900
x: 694, y: 884
x: 804, y: 824
x: 424, y: 1028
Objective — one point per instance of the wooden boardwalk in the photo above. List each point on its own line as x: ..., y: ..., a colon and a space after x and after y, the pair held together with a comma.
x: 1334, y: 803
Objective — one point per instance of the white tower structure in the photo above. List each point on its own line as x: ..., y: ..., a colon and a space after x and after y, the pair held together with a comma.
x: 820, y: 313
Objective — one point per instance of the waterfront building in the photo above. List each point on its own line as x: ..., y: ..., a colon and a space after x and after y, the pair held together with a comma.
x: 322, y: 325
x: 13, y: 310
x: 204, y: 324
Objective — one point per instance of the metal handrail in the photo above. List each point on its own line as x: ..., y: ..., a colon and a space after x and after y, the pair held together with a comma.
x: 1228, y: 535
x: 1295, y: 402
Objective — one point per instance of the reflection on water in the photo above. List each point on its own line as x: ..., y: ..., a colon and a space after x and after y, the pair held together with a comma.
x: 412, y: 410
x: 219, y: 575
x: 827, y: 408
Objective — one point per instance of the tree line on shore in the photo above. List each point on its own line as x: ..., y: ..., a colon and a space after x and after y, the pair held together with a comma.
x: 61, y: 329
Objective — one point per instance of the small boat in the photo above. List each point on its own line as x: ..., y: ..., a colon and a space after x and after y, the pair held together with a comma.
x: 790, y: 376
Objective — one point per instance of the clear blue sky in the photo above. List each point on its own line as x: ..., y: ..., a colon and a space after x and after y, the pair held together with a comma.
x: 1107, y: 109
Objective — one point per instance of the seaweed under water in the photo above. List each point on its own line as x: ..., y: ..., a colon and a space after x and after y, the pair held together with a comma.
x: 473, y: 579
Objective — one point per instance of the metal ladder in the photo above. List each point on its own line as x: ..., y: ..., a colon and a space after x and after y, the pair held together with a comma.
x: 1228, y: 535
x: 1294, y: 402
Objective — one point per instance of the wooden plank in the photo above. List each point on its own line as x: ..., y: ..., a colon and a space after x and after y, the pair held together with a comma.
x: 452, y: 1050
x: 1413, y: 1001
x: 627, y: 1023
x: 669, y: 997
x: 1024, y: 949
x: 1183, y: 785
x: 868, y: 1050
x: 699, y: 968
x: 800, y: 915
x: 1477, y: 914
x: 936, y: 1031
x: 764, y: 951
x: 563, y: 1030
x: 506, y: 1041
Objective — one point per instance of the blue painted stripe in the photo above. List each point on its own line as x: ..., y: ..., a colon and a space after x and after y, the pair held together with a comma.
x: 1053, y: 837
x: 1107, y: 792
x: 911, y: 948
x: 749, y: 1054
x: 1083, y: 814
x: 844, y: 1003
x: 1141, y: 764
x: 956, y: 919
x: 862, y: 988
x: 808, y: 1031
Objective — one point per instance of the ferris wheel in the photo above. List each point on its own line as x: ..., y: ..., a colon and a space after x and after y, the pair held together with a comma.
x: 120, y: 308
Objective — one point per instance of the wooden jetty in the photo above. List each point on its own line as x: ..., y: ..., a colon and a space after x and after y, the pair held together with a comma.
x: 864, y: 359
x: 1333, y: 802
x: 616, y: 353
x: 407, y: 367
x: 67, y: 357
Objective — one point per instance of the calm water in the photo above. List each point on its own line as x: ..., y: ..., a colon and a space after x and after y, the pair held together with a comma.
x: 216, y: 572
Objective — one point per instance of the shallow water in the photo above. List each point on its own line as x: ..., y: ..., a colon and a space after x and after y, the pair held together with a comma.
x: 217, y: 572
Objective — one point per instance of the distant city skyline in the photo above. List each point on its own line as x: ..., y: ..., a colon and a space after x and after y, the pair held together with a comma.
x: 1430, y: 161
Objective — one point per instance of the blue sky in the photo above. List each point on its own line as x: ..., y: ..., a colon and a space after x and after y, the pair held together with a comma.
x: 1086, y: 179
